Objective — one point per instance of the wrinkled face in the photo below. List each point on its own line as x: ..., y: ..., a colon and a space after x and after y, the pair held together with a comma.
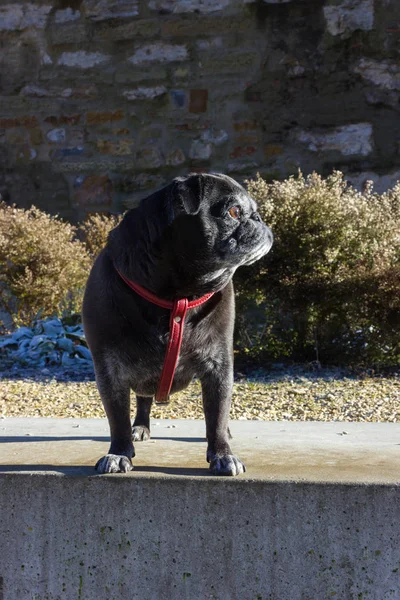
x: 222, y: 225
x: 213, y: 229
x: 242, y: 237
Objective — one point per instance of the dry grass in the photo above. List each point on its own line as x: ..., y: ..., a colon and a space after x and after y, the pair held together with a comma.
x: 321, y: 397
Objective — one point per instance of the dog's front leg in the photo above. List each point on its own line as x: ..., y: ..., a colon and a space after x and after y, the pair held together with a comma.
x: 217, y: 386
x: 115, y: 395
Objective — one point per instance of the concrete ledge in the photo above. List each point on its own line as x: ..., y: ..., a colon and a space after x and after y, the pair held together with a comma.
x: 316, y: 516
x: 283, y: 451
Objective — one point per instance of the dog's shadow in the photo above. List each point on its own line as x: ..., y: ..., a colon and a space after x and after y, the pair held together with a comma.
x: 18, y: 439
x: 22, y: 439
x: 85, y: 471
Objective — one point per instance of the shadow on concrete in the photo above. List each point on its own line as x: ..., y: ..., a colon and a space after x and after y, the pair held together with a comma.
x: 37, y: 438
x: 189, y: 471
x: 16, y: 439
x: 177, y: 439
x: 85, y: 471
x: 71, y: 470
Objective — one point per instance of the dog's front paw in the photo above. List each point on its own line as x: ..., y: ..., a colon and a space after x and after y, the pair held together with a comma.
x: 140, y: 433
x: 114, y: 463
x: 228, y: 464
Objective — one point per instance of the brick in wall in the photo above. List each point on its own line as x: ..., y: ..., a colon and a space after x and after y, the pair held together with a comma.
x: 21, y: 16
x: 101, y: 10
x: 82, y: 59
x: 159, y: 52
x: 347, y: 140
x: 93, y: 190
x: 349, y: 16
x: 188, y: 6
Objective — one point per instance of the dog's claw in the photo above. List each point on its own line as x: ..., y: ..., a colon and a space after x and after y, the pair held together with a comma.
x: 140, y: 433
x: 228, y: 465
x: 114, y: 463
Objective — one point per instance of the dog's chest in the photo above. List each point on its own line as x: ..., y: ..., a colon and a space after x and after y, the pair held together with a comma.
x: 145, y: 364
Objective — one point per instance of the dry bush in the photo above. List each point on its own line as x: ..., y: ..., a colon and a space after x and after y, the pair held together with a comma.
x: 328, y: 289
x: 95, y: 231
x: 43, y: 267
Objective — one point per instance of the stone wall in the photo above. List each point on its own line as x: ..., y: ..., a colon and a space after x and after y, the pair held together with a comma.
x: 103, y: 101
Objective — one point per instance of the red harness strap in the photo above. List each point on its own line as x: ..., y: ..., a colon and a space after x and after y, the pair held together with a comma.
x: 178, y: 310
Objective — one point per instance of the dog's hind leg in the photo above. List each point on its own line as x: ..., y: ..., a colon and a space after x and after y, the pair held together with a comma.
x: 115, y: 395
x: 141, y: 424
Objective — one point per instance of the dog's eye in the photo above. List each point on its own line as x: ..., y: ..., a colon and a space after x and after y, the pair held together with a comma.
x: 235, y: 212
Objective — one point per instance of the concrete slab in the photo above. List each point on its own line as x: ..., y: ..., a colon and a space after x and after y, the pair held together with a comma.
x: 316, y: 516
x: 272, y: 451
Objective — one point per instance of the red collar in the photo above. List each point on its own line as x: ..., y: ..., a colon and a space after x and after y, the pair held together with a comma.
x: 178, y: 310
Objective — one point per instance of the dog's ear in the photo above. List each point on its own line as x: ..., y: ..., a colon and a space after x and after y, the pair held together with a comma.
x: 187, y: 193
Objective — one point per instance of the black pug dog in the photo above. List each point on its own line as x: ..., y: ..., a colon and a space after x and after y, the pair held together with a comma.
x: 182, y: 242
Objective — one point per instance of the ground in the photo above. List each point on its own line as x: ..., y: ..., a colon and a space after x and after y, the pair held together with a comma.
x: 293, y: 393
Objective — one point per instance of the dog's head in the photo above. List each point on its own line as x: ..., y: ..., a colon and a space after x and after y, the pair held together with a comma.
x: 222, y: 217
x: 195, y: 233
